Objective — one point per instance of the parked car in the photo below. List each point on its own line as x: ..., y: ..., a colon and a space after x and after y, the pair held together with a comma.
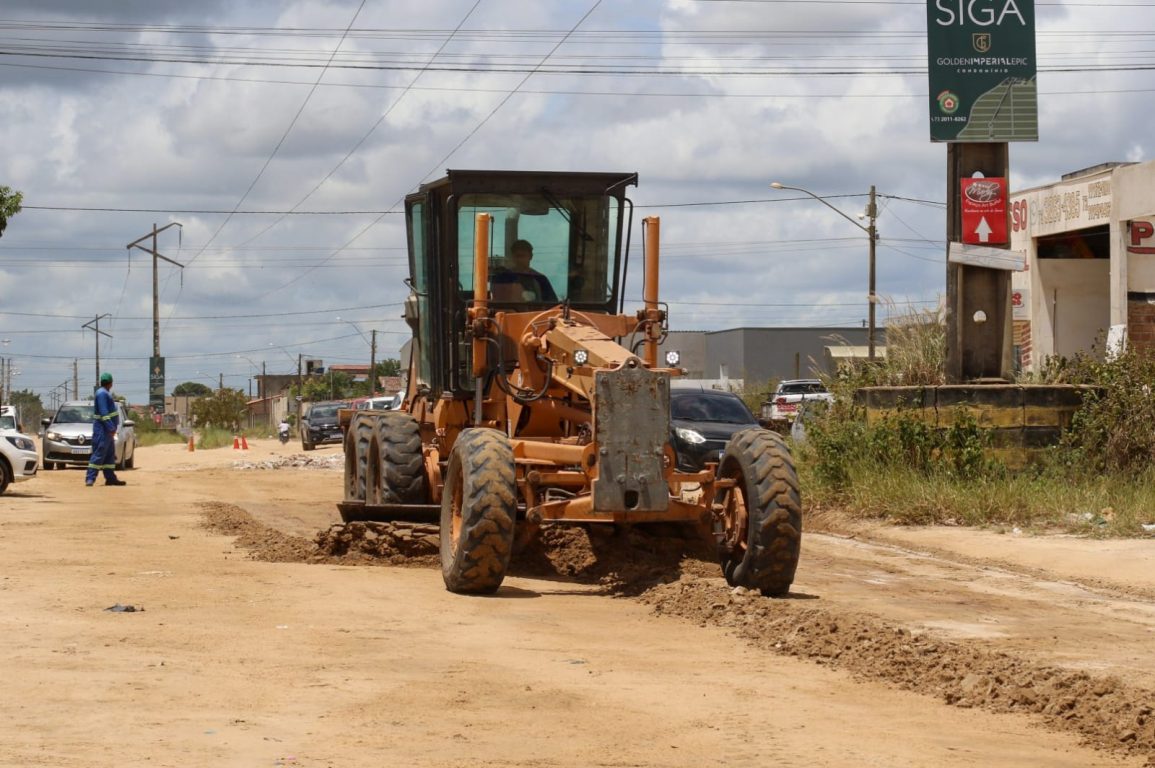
x: 9, y: 419
x: 319, y: 424
x: 783, y: 404
x: 387, y: 403
x: 17, y: 458
x: 68, y: 437
x: 702, y: 421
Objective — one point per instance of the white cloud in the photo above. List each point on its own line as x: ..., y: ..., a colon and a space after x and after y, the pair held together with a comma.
x: 190, y: 148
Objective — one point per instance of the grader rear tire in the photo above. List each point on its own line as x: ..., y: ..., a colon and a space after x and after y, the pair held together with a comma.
x: 762, y: 512
x: 360, y: 461
x: 400, y: 460
x: 478, y: 508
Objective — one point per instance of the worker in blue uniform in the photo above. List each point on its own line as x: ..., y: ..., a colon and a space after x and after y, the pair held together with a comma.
x: 105, y: 422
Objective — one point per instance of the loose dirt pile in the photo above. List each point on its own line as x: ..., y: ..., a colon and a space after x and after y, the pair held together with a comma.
x: 1105, y: 711
x: 624, y: 561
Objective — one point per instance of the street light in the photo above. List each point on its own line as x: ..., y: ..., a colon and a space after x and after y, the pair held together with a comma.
x: 260, y: 383
x: 872, y: 233
x: 372, y: 355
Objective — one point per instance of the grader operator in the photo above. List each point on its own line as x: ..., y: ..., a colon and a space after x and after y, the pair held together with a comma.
x: 535, y: 399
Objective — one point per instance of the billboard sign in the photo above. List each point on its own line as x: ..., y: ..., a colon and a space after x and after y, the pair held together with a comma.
x: 156, y: 384
x: 981, y: 66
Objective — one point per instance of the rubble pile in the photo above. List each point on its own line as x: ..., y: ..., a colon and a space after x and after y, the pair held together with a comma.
x: 328, y: 461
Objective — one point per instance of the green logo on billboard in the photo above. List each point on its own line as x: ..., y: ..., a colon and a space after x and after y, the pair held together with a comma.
x: 948, y: 102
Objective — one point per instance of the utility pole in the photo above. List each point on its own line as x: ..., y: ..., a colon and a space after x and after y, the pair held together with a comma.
x: 373, y: 365
x: 221, y: 382
x: 94, y: 324
x: 156, y: 366
x: 75, y: 382
x: 155, y: 286
x: 300, y: 393
x: 872, y: 233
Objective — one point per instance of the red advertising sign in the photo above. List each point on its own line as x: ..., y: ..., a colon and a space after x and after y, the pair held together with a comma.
x: 984, y: 211
x: 1142, y: 237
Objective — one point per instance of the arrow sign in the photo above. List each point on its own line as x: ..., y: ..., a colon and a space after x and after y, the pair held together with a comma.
x: 984, y: 210
x: 983, y: 230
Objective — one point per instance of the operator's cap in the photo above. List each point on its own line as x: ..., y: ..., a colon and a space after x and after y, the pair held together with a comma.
x: 106, y: 378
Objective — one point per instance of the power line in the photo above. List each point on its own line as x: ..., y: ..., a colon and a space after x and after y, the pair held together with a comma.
x: 458, y: 146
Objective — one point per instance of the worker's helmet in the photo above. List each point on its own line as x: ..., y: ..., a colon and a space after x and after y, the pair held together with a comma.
x: 106, y: 378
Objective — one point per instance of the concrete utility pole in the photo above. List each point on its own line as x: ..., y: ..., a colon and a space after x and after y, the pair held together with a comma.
x: 94, y: 324
x: 75, y: 381
x: 373, y: 365
x: 872, y: 233
x: 300, y: 393
x: 155, y: 287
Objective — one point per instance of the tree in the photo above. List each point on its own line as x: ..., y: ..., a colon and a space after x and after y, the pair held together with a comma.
x: 390, y: 366
x: 191, y: 389
x: 29, y: 406
x: 9, y: 205
x: 224, y: 409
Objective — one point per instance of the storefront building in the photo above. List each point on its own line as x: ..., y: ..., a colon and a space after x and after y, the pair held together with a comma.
x: 1090, y: 254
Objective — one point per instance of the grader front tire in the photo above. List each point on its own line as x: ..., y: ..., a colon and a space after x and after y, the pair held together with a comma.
x: 360, y: 462
x: 478, y: 509
x: 762, y: 513
x: 401, y: 461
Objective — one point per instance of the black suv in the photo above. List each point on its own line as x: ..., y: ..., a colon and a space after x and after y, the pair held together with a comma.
x: 319, y: 424
x: 702, y: 421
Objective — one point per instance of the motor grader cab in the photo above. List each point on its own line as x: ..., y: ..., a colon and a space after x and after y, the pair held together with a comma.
x: 534, y: 398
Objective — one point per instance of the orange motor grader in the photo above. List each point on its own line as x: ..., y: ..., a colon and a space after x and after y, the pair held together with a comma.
x: 533, y: 398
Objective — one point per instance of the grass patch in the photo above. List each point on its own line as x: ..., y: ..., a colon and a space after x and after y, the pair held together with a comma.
x: 214, y: 437
x: 159, y: 437
x: 1036, y: 500
x: 1099, y: 481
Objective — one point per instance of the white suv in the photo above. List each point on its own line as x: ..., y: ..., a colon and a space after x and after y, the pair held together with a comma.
x: 783, y: 404
x: 17, y: 458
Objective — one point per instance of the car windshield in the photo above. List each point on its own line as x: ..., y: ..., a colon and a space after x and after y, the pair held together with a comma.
x: 323, y: 412
x: 74, y: 414
x: 704, y: 407
x: 801, y: 388
x: 7, y: 422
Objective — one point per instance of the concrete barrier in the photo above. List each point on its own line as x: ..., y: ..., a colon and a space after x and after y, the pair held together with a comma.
x: 1022, y: 418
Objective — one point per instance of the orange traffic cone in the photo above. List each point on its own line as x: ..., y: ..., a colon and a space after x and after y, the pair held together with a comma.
x: 191, y: 445
x: 244, y: 443
x: 236, y: 443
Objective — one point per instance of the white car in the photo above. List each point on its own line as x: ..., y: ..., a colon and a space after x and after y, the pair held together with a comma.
x: 18, y: 460
x: 783, y: 404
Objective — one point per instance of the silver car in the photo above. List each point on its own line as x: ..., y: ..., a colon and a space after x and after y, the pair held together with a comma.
x: 68, y: 437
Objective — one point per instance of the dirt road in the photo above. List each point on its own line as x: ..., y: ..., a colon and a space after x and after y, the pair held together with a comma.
x: 900, y: 648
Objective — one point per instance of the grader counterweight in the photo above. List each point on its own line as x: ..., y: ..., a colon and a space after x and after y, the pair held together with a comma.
x: 534, y: 399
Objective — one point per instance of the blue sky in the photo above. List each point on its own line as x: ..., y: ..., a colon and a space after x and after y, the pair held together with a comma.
x: 122, y: 115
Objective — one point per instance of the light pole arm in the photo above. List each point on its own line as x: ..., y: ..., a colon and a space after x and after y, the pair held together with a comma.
x: 776, y: 185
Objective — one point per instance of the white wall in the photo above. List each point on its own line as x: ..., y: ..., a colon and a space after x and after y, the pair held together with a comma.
x: 1073, y: 305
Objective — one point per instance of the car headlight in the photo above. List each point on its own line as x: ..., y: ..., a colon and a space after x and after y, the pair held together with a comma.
x: 54, y: 436
x: 23, y: 443
x: 693, y: 437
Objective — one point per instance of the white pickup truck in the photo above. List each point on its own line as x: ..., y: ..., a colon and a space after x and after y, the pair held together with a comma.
x: 783, y: 404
